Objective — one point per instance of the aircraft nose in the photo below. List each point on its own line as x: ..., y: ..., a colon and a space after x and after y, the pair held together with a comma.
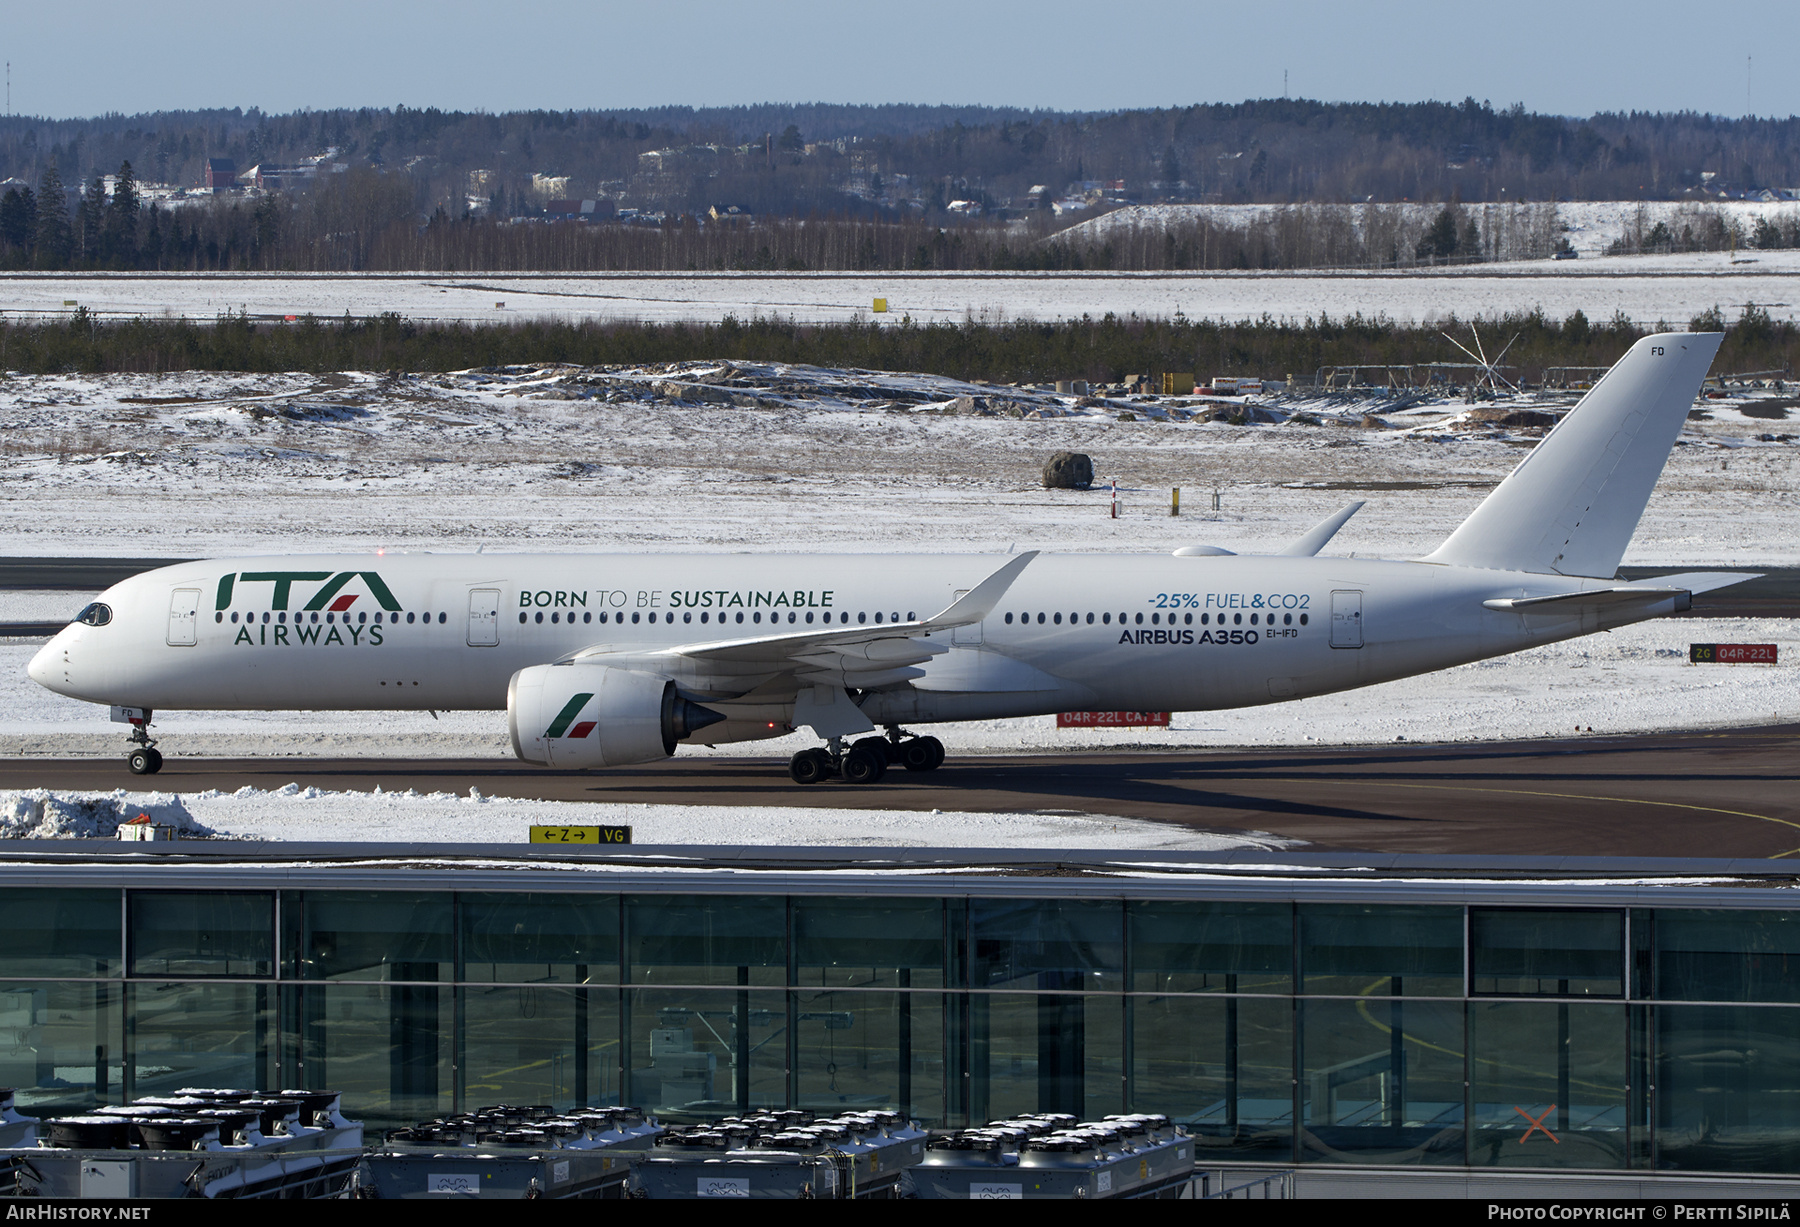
x: 46, y: 666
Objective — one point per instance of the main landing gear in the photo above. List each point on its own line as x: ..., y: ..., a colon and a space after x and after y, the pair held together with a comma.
x: 867, y: 760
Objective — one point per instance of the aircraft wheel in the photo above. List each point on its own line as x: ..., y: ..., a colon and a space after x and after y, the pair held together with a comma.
x: 144, y: 762
x: 863, y: 765
x: 809, y: 766
x: 922, y: 754
x: 880, y: 747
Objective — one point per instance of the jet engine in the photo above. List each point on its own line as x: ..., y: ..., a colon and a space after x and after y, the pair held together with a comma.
x: 596, y: 716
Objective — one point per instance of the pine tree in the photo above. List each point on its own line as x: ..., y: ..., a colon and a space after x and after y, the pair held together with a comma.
x: 18, y: 223
x: 90, y: 215
x: 53, y: 237
x: 119, y: 240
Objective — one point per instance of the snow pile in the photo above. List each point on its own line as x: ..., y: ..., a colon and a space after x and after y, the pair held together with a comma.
x: 315, y: 815
x: 40, y: 814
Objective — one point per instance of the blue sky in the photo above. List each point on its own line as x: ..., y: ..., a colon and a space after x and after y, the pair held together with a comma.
x: 1565, y: 58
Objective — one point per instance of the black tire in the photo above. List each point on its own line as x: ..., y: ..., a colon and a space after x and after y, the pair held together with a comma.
x: 879, y: 746
x: 809, y: 766
x: 922, y: 754
x: 155, y: 760
x: 863, y: 765
x: 139, y: 762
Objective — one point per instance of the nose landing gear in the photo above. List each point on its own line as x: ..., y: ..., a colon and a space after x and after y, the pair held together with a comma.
x: 143, y: 758
x: 866, y: 761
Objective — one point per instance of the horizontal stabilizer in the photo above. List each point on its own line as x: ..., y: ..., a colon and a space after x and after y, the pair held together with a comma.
x: 1315, y: 540
x: 1566, y: 604
x: 1666, y: 587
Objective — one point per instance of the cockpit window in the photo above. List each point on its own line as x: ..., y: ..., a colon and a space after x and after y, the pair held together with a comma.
x: 95, y: 615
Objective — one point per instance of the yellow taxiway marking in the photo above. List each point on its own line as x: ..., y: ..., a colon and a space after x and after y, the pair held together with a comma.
x: 1532, y: 792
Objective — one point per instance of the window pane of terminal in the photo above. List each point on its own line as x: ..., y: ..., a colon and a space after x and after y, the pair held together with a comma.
x: 1548, y: 1084
x: 869, y: 943
x: 202, y: 933
x: 698, y: 1054
x: 1223, y: 1066
x: 540, y: 1045
x: 1382, y: 1081
x: 706, y: 939
x: 1727, y: 1088
x: 1048, y: 944
x: 870, y: 1050
x: 540, y: 938
x: 375, y: 935
x: 62, y: 1045
x: 219, y: 1035
x: 53, y: 932
x: 1399, y: 950
x: 1181, y: 947
x: 1727, y: 955
x: 1547, y: 954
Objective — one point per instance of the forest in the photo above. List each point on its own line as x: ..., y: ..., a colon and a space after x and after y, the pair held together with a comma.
x: 831, y: 187
x: 1101, y: 351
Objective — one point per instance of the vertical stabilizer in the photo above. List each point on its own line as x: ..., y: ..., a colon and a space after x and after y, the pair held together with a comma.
x: 1572, y: 504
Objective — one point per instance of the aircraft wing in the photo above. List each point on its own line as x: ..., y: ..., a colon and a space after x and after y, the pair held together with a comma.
x: 854, y: 657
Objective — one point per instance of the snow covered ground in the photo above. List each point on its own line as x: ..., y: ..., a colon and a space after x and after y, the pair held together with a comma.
x: 1646, y: 289
x: 297, y: 814
x: 1591, y: 226
x: 746, y: 456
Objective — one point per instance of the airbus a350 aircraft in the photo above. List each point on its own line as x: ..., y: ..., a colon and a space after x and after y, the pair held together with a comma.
x: 605, y: 660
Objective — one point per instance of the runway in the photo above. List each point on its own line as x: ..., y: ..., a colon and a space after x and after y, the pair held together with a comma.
x: 1713, y: 794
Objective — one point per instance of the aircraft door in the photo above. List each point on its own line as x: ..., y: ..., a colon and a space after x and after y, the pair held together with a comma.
x: 484, y: 618
x: 964, y: 636
x: 1346, y: 620
x: 184, y: 617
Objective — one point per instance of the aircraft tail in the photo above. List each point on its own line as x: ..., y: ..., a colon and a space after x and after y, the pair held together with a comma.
x: 1571, y: 506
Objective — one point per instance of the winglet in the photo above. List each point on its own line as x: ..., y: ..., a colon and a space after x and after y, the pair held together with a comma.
x: 980, y: 600
x: 1322, y: 532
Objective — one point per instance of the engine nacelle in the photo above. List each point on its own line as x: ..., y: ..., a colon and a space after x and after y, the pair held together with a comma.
x: 596, y: 716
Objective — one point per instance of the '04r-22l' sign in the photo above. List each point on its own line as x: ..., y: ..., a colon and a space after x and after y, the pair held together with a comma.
x: 1112, y: 720
x: 1731, y: 653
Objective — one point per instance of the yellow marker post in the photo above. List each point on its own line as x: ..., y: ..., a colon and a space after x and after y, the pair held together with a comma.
x: 881, y: 306
x: 1175, y: 501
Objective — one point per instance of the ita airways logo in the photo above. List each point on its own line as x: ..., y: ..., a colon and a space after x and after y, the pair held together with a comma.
x: 324, y: 590
x: 565, y: 720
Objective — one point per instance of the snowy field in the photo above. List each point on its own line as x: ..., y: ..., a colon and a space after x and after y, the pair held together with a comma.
x: 1646, y: 289
x: 313, y: 815
x: 1591, y: 226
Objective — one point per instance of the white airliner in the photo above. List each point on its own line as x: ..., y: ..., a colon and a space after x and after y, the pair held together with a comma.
x: 605, y: 660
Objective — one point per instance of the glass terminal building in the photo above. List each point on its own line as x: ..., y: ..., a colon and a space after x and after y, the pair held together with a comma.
x: 1482, y: 1014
